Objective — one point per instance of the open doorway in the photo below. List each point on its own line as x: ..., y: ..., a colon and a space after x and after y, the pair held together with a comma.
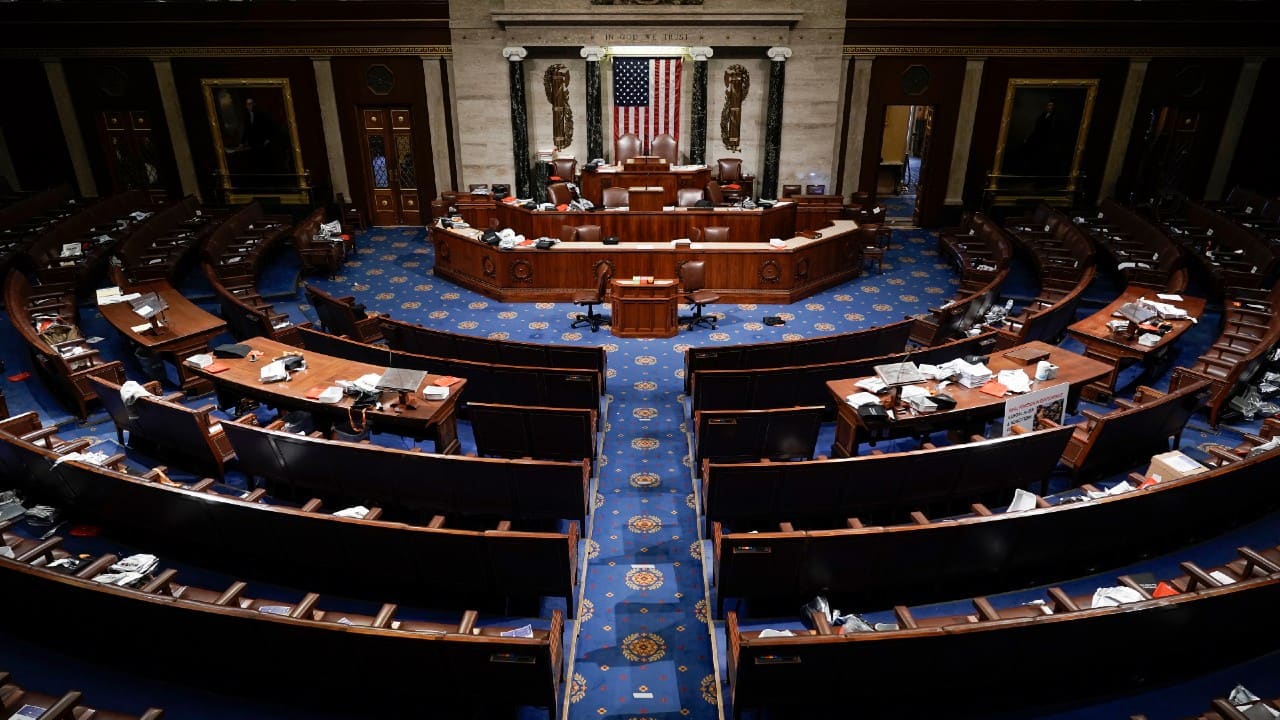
x: 904, y: 151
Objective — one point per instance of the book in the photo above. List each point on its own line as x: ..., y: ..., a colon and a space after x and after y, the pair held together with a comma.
x: 994, y: 389
x: 216, y: 366
x: 447, y: 381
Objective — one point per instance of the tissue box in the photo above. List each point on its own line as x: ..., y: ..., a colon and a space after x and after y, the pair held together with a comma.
x: 435, y: 392
x: 1173, y: 465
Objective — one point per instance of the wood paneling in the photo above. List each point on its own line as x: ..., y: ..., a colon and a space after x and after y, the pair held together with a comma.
x: 188, y: 73
x: 408, y: 90
x: 119, y: 85
x: 1201, y: 89
x: 946, y: 79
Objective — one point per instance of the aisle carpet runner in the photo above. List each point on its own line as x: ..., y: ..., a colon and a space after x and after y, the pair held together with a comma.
x: 641, y: 646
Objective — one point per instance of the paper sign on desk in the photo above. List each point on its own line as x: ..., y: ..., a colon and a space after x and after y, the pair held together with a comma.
x: 1028, y: 410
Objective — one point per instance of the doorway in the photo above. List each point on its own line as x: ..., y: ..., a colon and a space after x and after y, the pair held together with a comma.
x: 131, y: 153
x: 390, y: 170
x: 904, y: 152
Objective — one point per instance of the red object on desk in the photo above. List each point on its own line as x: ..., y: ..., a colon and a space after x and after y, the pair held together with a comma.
x: 314, y: 393
x: 447, y: 380
x: 994, y: 389
x: 216, y: 367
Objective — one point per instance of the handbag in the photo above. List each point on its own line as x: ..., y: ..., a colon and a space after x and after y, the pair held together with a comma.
x: 353, y: 430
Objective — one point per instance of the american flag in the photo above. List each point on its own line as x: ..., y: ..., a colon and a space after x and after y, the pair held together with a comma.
x: 646, y: 98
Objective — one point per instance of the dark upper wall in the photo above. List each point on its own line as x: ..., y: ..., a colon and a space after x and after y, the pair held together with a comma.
x: 1258, y: 155
x: 31, y: 128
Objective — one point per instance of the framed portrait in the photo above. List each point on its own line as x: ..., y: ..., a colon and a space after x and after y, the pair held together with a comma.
x: 1043, y: 131
x: 255, y: 138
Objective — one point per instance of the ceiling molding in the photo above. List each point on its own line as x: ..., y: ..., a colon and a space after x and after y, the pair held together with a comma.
x: 1062, y: 51
x: 624, y: 18
x: 257, y: 51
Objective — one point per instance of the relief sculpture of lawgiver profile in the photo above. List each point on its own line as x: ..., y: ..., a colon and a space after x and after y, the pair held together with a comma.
x: 737, y: 82
x: 556, y: 83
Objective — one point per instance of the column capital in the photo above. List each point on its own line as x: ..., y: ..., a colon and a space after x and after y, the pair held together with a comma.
x: 592, y: 53
x: 779, y: 54
x: 514, y: 53
x: 700, y: 53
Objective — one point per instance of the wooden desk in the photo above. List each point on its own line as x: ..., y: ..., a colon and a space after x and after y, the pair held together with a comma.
x: 594, y: 182
x: 187, y: 330
x: 634, y: 225
x: 1119, y: 350
x: 645, y: 199
x: 973, y: 408
x: 645, y: 310
x: 741, y: 272
x: 429, y: 419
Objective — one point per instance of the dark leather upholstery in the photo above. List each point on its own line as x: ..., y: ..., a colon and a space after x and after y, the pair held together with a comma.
x: 626, y: 147
x: 593, y: 298
x: 565, y: 169
x: 616, y: 197
x: 688, y: 197
x: 664, y: 146
x: 559, y: 194
x: 693, y: 284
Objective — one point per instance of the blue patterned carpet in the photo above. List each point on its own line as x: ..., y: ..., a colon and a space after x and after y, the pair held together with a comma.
x: 642, y: 646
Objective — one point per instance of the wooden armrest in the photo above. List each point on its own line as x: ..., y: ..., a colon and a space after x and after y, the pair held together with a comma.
x: 854, y: 523
x: 203, y: 485
x: 43, y: 549
x: 1253, y: 561
x: 312, y: 505
x: 985, y: 611
x: 373, y: 514
x: 821, y: 623
x: 383, y: 618
x: 97, y: 566
x: 468, y: 622
x: 231, y: 594
x: 1061, y: 601
x: 905, y: 620
x: 1196, y: 577
x: 303, y: 608
x: 1128, y: 582
x: 161, y: 580
x: 919, y: 518
x: 504, y: 526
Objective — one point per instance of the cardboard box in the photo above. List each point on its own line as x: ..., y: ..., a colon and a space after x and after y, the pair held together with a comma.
x: 1173, y: 465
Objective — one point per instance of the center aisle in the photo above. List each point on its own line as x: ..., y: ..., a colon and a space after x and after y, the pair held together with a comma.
x: 642, y: 647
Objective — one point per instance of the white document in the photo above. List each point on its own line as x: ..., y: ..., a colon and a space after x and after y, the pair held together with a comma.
x: 871, y: 384
x: 862, y: 398
x: 770, y: 633
x: 1022, y: 500
x: 1113, y: 596
x: 1016, y: 380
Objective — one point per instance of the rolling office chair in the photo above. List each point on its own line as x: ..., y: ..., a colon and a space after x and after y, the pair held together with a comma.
x: 592, y: 298
x: 559, y: 194
x: 614, y: 197
x: 692, y: 284
x: 665, y: 147
x: 626, y: 147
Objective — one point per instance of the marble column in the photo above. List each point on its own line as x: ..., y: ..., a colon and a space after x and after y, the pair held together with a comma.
x: 177, y: 127
x: 698, y: 113
x: 323, y: 70
x: 519, y: 120
x: 851, y: 181
x: 1231, y: 130
x: 70, y: 126
x: 1124, y: 127
x: 437, y: 124
x: 773, y: 123
x: 964, y: 130
x: 595, y: 126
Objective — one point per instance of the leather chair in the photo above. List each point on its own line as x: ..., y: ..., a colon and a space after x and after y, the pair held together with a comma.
x: 665, y: 147
x: 580, y: 233
x: 875, y: 240
x: 559, y: 194
x: 728, y: 174
x: 714, y: 233
x: 692, y: 284
x: 815, y: 189
x: 626, y: 147
x: 565, y: 169
x: 789, y: 190
x: 688, y: 197
x: 592, y: 298
x: 715, y: 194
x: 616, y: 197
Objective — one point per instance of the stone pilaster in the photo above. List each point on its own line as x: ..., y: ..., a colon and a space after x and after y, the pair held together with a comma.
x: 70, y: 127
x: 1231, y: 130
x: 1124, y: 126
x: 519, y: 120
x: 773, y: 127
x: 855, y: 139
x: 698, y: 113
x: 177, y: 126
x: 595, y: 126
x: 964, y: 129
x: 437, y: 123
x: 323, y: 69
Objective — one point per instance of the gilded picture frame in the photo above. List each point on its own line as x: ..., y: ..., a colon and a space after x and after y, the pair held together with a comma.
x: 255, y: 139
x: 1043, y: 131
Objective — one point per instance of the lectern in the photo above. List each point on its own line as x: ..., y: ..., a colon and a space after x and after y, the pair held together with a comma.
x: 645, y: 309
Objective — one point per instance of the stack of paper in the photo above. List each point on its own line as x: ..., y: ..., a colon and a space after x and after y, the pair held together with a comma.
x: 862, y: 398
x: 1016, y: 380
x: 871, y: 384
x: 973, y: 375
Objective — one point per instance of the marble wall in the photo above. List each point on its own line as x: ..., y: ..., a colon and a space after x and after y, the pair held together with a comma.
x: 738, y: 31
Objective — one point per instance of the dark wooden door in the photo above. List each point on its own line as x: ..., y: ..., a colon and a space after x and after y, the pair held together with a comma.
x: 131, y: 153
x: 390, y: 167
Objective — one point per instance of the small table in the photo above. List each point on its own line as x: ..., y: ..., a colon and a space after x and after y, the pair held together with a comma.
x: 645, y: 309
x: 186, y: 331
x: 431, y: 418
x: 1120, y: 349
x: 973, y: 407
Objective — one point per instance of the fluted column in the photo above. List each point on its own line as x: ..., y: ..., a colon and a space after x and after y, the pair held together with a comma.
x: 773, y: 126
x: 595, y: 126
x: 519, y: 120
x: 698, y: 113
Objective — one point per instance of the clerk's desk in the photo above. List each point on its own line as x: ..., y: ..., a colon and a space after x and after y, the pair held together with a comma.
x: 759, y: 225
x: 740, y: 272
x: 594, y: 182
